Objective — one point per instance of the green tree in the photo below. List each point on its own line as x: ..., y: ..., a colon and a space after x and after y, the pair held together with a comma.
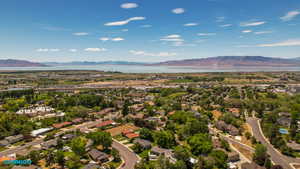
x: 182, y: 153
x: 260, y: 155
x: 164, y: 139
x: 200, y: 144
x: 78, y: 145
x: 146, y: 134
x: 101, y: 138
x: 220, y: 159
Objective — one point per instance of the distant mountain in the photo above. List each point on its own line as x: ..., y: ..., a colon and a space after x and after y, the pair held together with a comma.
x: 95, y: 63
x: 19, y: 63
x: 233, y: 61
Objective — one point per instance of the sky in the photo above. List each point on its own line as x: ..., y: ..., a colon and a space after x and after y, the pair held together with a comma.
x: 147, y: 30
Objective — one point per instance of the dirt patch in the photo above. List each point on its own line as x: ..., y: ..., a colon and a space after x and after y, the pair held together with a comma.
x: 297, y: 166
x: 118, y: 130
x: 248, y: 154
x: 217, y: 114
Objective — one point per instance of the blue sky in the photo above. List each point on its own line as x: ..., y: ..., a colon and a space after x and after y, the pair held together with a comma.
x: 147, y: 30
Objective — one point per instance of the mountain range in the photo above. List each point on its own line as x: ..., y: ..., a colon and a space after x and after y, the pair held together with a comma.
x: 220, y: 61
x: 234, y: 61
x: 19, y: 63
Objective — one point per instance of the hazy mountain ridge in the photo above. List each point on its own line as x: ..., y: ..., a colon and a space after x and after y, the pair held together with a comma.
x: 95, y: 63
x: 233, y: 61
x: 19, y: 63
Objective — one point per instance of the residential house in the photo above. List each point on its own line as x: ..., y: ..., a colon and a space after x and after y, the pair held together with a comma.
x: 233, y: 156
x: 294, y: 146
x: 98, y: 156
x: 232, y: 130
x: 38, y: 132
x: 25, y: 167
x: 284, y: 119
x: 105, y: 111
x: 92, y: 166
x: 145, y: 144
x: 61, y: 125
x: 105, y: 124
x: 68, y: 136
x: 49, y: 144
x: 155, y: 152
x: 4, y: 143
x: 14, y: 139
x: 251, y: 165
x: 77, y: 120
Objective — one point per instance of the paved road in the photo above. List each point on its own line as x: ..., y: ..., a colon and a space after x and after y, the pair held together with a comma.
x: 276, y: 156
x: 128, y: 156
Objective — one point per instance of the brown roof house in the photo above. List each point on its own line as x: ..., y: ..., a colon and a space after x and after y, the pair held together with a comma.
x: 221, y: 125
x: 98, y: 156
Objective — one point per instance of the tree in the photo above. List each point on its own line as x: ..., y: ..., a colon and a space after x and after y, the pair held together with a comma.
x: 164, y: 139
x: 78, y: 145
x: 260, y: 155
x: 101, y: 138
x: 182, y: 153
x: 73, y: 162
x: 194, y: 126
x: 116, y: 155
x: 220, y: 158
x: 200, y: 144
x: 125, y: 109
x: 34, y: 156
x: 60, y: 158
x: 146, y: 134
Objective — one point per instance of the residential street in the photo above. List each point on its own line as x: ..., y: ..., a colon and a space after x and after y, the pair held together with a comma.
x: 276, y: 156
x: 128, y: 156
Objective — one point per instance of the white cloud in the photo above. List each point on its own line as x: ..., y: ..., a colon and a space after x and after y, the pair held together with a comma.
x: 80, y: 33
x: 54, y: 50
x: 117, y: 39
x: 263, y: 32
x: 124, y: 22
x: 291, y: 42
x: 225, y: 25
x: 129, y: 5
x: 246, y: 31
x: 73, y: 50
x: 206, y: 34
x: 290, y: 15
x: 191, y: 24
x: 220, y: 19
x: 47, y: 50
x: 160, y: 54
x: 245, y: 24
x: 172, y: 38
x: 146, y: 26
x: 178, y: 11
x: 95, y: 49
x: 104, y: 39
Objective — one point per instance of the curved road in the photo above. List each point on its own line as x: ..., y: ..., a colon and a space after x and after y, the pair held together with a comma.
x: 129, y: 157
x: 276, y: 156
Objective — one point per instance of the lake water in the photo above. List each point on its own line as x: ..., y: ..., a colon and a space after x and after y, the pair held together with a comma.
x: 154, y: 69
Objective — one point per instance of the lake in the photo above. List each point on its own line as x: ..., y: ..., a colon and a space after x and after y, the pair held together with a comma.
x: 153, y: 69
